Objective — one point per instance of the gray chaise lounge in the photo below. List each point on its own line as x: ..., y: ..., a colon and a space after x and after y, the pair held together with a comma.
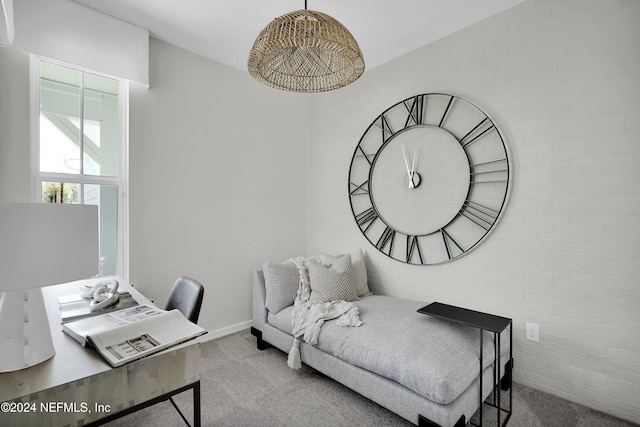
x: 423, y: 369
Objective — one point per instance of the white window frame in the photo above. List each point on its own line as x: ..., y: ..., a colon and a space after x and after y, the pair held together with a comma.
x: 122, y: 180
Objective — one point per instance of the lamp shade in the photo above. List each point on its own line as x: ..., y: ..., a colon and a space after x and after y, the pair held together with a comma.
x: 46, y: 244
x: 305, y: 51
x: 40, y: 245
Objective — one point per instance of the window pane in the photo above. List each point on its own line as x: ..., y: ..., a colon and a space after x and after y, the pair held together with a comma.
x: 79, y: 136
x: 59, y: 119
x: 60, y: 192
x: 100, y: 126
x: 106, y: 198
x: 103, y: 196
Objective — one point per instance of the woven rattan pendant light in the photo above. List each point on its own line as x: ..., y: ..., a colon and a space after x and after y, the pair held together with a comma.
x: 305, y: 51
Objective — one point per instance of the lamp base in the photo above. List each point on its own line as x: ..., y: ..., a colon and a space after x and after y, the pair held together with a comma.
x: 25, y: 336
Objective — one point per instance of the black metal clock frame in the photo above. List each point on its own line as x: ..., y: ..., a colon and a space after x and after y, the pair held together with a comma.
x: 484, y: 217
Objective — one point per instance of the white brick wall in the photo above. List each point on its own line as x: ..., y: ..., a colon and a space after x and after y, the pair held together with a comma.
x: 561, y: 80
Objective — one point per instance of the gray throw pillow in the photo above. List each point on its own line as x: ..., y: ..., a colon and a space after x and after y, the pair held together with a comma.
x: 334, y: 283
x: 281, y: 282
x: 359, y: 269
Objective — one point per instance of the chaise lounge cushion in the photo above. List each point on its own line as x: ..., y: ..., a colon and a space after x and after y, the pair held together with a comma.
x: 439, y: 367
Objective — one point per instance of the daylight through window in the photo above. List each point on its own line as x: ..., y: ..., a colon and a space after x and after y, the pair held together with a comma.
x: 80, y: 149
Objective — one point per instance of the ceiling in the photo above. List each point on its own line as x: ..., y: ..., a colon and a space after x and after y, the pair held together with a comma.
x: 224, y: 30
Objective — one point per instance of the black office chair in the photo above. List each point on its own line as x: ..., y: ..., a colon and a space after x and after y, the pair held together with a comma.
x: 186, y: 295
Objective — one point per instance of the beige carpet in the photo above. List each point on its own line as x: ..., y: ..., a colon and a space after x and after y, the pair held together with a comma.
x: 242, y: 386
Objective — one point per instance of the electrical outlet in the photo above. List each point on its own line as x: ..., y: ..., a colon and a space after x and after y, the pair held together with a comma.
x: 533, y: 332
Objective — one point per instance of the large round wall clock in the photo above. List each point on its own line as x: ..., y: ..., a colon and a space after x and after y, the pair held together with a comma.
x: 429, y: 179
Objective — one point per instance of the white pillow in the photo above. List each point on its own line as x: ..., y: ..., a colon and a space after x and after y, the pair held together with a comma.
x: 359, y: 269
x: 333, y: 283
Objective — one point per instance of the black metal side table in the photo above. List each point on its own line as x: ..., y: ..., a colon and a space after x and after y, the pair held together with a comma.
x: 483, y: 322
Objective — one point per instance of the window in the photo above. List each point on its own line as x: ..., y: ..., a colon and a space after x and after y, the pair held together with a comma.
x: 80, y: 149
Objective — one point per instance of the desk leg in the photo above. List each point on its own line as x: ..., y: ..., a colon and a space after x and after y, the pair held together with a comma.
x: 510, y: 370
x: 167, y: 396
x: 497, y: 360
x: 196, y: 405
x: 481, y: 371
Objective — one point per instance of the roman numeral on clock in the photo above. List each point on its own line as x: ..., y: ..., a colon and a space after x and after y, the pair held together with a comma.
x: 472, y: 137
x: 448, y: 240
x: 366, y: 156
x: 413, y: 249
x: 446, y: 111
x: 482, y: 216
x: 368, y: 216
x: 384, y: 125
x: 487, y: 172
x: 386, y: 240
x: 359, y: 190
x: 415, y: 107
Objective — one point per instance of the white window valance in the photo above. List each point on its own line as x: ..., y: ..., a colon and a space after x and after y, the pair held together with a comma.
x: 78, y: 35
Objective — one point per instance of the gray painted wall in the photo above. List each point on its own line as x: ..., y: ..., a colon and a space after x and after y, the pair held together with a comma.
x: 218, y: 180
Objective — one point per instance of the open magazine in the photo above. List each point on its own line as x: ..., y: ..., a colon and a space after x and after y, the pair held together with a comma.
x: 80, y: 329
x: 127, y: 335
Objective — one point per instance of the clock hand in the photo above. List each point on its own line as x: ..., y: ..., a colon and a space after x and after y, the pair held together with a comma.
x: 413, y: 163
x: 412, y: 183
x: 406, y: 163
x: 414, y: 168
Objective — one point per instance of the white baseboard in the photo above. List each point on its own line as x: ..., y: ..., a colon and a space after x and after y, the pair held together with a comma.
x: 227, y: 330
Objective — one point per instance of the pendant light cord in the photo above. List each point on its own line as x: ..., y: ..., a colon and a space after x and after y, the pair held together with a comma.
x: 305, y: 4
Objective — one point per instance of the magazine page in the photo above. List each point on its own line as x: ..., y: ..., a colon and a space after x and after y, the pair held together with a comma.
x: 133, y: 341
x: 80, y: 329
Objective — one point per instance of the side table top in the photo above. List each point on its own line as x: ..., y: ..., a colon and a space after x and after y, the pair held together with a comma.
x: 476, y: 319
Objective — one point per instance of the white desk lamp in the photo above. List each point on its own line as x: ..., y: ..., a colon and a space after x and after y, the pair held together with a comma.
x: 40, y: 245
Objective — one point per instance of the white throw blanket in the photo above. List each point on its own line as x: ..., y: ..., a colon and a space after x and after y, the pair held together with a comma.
x: 307, y: 317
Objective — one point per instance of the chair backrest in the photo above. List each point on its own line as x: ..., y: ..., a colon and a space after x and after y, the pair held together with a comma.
x: 186, y: 296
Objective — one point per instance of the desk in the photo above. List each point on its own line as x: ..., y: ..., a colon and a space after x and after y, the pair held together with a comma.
x: 76, y: 386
